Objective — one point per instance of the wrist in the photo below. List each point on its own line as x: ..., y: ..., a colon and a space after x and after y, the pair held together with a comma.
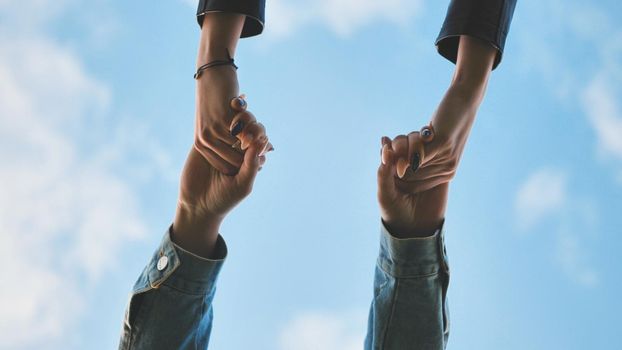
x: 412, y: 229
x: 195, y: 230
x: 219, y: 34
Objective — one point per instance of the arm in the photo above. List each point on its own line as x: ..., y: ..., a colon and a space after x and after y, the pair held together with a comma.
x: 222, y: 22
x: 171, y: 303
x: 409, y: 308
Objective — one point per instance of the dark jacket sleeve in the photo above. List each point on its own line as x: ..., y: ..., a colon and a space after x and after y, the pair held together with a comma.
x: 255, y: 11
x: 488, y: 20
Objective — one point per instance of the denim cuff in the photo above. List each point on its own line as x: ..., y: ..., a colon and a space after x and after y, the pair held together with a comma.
x: 412, y: 257
x: 180, y: 269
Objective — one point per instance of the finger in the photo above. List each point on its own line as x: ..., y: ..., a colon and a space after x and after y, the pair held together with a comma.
x: 252, y: 161
x: 427, y: 133
x: 419, y: 186
x: 221, y: 149
x: 386, y: 180
x: 214, y: 160
x: 386, y: 151
x: 267, y: 148
x: 252, y: 132
x: 240, y: 121
x: 400, y: 148
x: 262, y: 161
x: 430, y: 171
x: 239, y: 104
x: 416, y: 150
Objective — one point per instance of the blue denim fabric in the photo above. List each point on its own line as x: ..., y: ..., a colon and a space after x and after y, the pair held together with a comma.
x: 171, y: 306
x: 409, y: 309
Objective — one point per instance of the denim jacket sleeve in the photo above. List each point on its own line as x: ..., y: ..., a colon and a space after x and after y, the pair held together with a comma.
x: 409, y: 308
x: 253, y: 9
x: 170, y: 306
x: 488, y: 20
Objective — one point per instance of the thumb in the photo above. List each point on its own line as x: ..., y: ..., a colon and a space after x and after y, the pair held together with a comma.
x: 238, y: 104
x: 250, y: 166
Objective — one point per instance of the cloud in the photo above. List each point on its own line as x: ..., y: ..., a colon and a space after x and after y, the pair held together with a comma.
x: 65, y: 212
x: 343, y: 17
x: 544, y: 196
x: 315, y: 330
x: 601, y: 103
x: 590, y: 29
x: 571, y: 256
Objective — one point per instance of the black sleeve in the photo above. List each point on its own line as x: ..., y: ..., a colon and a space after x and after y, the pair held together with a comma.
x: 488, y: 20
x: 255, y: 11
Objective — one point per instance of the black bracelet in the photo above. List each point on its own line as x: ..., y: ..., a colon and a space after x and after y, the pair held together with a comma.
x: 227, y: 62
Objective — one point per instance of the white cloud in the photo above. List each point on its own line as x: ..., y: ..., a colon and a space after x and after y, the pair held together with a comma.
x: 286, y: 17
x: 571, y: 256
x: 590, y: 28
x: 541, y: 195
x: 64, y: 211
x: 192, y: 3
x: 601, y: 102
x: 324, y: 331
x: 544, y: 196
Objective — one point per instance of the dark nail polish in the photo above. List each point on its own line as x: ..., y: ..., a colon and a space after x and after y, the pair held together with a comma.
x: 414, y: 165
x: 237, y: 128
x: 242, y: 102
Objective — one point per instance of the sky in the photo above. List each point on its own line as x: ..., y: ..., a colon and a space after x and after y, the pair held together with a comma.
x: 96, y: 118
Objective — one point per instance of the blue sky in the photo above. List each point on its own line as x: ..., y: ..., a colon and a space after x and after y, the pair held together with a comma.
x: 96, y: 117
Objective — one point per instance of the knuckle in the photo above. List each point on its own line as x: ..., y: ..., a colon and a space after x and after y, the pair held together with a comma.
x: 207, y: 133
x: 246, y: 189
x: 451, y: 164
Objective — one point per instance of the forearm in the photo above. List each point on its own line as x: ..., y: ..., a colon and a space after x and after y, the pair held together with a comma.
x: 219, y: 34
x: 453, y: 120
x: 195, y: 232
x: 473, y: 68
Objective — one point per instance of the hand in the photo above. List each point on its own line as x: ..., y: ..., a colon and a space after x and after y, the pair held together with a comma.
x: 406, y: 210
x: 207, y: 195
x: 416, y: 169
x: 452, y: 121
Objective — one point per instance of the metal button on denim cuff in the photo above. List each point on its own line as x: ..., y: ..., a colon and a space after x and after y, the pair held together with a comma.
x: 162, y: 262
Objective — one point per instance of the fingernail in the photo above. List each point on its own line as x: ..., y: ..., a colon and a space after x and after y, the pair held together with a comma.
x: 237, y: 128
x: 414, y: 165
x: 263, y: 151
x: 241, y: 101
x: 384, y: 162
x: 401, y: 168
x: 427, y: 133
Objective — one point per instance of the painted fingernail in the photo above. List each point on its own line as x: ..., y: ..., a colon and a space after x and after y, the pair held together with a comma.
x: 427, y: 133
x: 237, y: 128
x: 416, y: 161
x: 241, y: 101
